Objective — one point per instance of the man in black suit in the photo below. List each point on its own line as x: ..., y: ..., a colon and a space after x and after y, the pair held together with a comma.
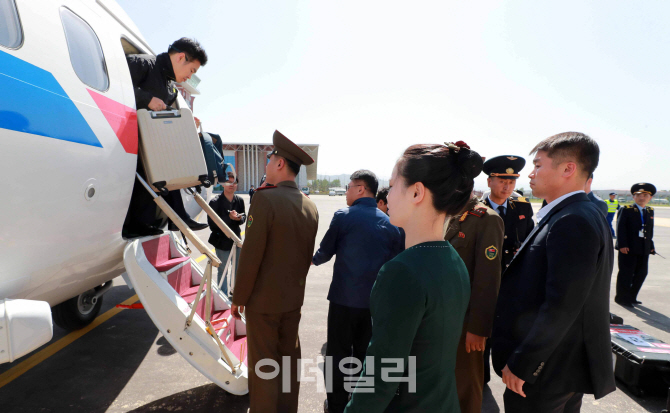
x: 551, y: 339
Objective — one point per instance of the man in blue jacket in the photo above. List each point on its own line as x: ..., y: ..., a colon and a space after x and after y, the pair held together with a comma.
x: 363, y: 239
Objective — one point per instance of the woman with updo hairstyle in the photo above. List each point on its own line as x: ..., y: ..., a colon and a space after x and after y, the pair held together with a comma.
x: 420, y: 297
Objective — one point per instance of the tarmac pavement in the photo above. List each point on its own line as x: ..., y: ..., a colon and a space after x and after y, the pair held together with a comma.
x: 125, y: 365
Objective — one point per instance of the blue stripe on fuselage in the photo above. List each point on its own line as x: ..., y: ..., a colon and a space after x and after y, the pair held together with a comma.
x: 34, y: 102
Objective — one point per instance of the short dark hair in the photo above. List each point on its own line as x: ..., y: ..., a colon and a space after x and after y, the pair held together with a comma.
x: 572, y: 146
x: 294, y: 167
x: 368, y: 177
x: 191, y: 48
x: 383, y: 194
x: 448, y: 172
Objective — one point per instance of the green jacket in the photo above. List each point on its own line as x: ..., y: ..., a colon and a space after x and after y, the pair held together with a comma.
x: 417, y: 305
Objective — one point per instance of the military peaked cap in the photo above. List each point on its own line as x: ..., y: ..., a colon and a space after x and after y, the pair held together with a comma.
x: 504, y: 166
x: 643, y: 188
x: 285, y: 148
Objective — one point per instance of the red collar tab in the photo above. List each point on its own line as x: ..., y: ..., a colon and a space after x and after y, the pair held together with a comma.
x: 266, y: 187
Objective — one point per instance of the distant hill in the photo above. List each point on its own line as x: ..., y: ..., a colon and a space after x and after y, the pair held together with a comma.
x: 625, y: 193
x: 344, y: 179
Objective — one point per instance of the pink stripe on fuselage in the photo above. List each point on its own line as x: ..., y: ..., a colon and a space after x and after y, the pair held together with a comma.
x: 121, y: 118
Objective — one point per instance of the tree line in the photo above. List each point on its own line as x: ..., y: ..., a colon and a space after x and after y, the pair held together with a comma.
x: 322, y: 185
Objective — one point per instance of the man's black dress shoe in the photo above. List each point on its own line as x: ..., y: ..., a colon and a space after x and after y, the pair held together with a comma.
x: 637, y: 302
x: 194, y: 225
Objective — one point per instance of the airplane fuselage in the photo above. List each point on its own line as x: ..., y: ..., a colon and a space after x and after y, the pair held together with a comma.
x: 69, y: 144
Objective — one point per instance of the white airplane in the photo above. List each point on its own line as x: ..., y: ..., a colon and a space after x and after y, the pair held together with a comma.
x: 69, y: 150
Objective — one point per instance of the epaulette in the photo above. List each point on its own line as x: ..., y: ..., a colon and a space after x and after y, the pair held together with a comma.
x: 519, y: 199
x: 266, y: 187
x: 478, y: 212
x: 650, y: 208
x: 629, y: 206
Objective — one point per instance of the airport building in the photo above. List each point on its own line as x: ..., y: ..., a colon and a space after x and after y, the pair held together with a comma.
x: 249, y: 159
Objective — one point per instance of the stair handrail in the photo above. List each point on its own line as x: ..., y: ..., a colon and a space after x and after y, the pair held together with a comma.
x: 206, y: 284
x: 216, y: 218
x: 195, y: 240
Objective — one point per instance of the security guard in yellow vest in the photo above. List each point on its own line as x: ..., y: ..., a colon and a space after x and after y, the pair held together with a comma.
x: 612, y: 207
x: 270, y: 282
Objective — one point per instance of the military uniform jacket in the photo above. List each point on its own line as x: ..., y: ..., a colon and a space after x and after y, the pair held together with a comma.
x: 277, y: 250
x: 477, y: 236
x: 628, y: 229
x: 518, y: 224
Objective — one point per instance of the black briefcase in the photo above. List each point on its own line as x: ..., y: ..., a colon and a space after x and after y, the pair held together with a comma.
x: 641, y: 361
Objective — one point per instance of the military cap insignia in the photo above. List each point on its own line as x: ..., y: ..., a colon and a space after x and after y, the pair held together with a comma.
x: 512, y: 158
x: 491, y: 252
x: 250, y: 221
x: 509, y: 170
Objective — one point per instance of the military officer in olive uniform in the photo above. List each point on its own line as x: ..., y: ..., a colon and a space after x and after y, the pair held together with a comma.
x: 517, y: 214
x: 270, y: 282
x: 477, y: 236
x: 635, y: 233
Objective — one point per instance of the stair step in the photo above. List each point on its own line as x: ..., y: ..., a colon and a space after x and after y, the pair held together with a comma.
x: 170, y: 264
x: 181, y: 279
x: 218, y: 319
x: 157, y: 251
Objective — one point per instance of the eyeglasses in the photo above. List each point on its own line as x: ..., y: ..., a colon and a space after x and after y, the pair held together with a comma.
x: 351, y: 186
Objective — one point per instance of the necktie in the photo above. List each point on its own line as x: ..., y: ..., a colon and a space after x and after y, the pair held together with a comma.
x: 501, y: 211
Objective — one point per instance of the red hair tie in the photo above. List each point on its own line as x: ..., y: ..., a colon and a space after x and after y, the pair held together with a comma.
x: 457, y: 146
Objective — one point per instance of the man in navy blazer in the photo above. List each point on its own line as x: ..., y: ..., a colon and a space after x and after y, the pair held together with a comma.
x: 551, y: 340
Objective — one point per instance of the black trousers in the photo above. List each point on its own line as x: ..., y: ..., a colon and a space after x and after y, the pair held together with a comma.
x: 542, y: 403
x: 142, y: 210
x: 633, y: 270
x: 487, y: 361
x: 349, y: 333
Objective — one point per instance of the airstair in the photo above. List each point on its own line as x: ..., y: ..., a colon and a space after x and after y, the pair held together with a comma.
x: 184, y: 301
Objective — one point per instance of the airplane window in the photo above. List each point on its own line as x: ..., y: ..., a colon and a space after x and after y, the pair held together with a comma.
x: 10, y: 26
x: 86, y: 54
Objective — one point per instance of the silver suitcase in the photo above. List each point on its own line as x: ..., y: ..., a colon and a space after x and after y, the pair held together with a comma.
x: 170, y: 149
